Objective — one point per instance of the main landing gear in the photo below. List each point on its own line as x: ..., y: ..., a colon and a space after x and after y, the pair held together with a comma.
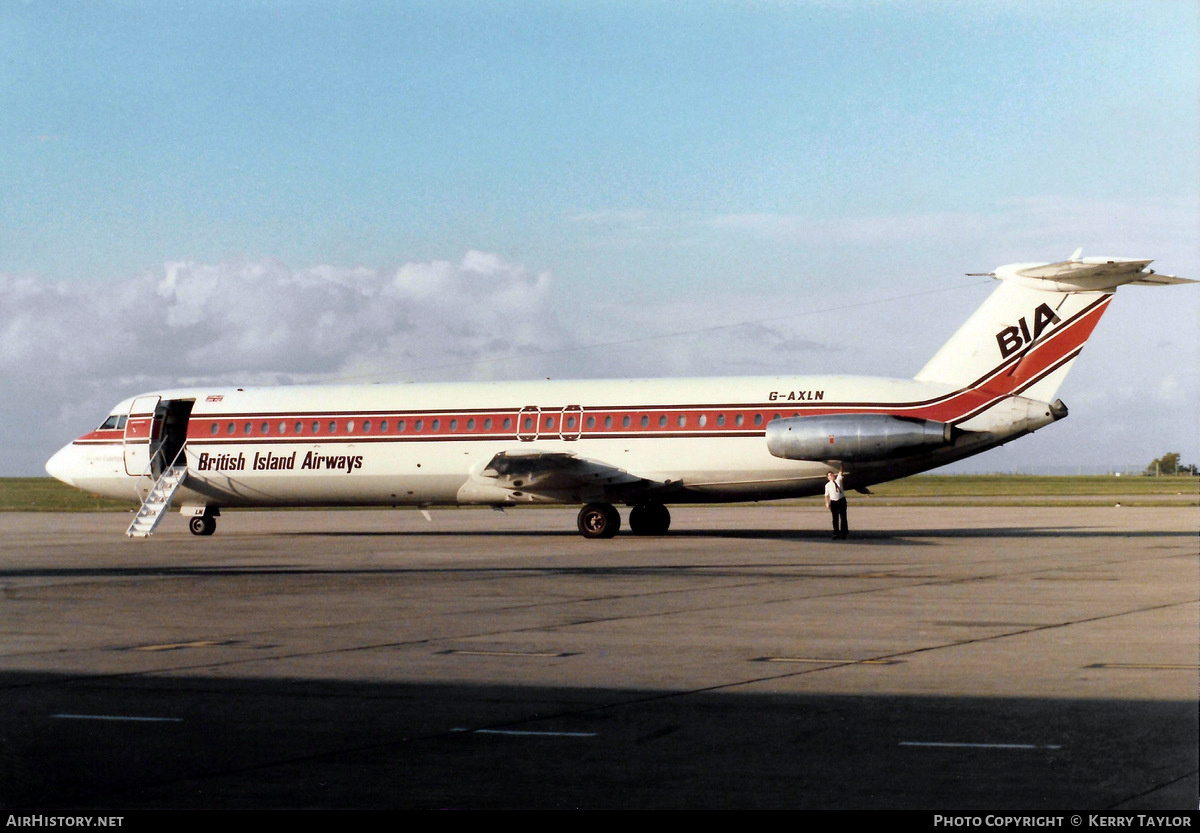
x: 650, y: 518
x: 602, y: 520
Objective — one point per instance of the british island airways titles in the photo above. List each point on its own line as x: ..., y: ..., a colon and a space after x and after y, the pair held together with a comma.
x: 279, y: 462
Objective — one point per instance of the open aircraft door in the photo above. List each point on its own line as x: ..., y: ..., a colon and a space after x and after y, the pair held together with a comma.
x: 143, y: 429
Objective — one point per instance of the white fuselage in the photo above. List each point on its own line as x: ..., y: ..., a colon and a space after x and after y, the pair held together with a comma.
x: 700, y: 439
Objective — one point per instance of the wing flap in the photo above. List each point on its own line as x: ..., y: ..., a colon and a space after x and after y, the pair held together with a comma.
x: 554, y: 471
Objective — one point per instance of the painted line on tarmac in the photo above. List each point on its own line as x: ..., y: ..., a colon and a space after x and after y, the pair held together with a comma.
x: 133, y: 718
x: 526, y: 733
x: 543, y: 654
x: 817, y: 661
x: 1159, y: 666
x: 954, y: 745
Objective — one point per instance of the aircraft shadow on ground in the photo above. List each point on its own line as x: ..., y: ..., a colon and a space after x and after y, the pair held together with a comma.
x: 227, y: 742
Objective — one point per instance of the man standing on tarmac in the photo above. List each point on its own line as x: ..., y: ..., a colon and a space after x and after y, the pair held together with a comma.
x: 835, y: 502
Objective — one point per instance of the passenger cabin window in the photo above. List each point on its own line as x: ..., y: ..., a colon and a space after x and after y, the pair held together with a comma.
x: 265, y: 427
x: 366, y: 426
x: 216, y: 429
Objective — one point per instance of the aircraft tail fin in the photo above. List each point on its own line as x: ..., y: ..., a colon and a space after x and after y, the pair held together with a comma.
x: 1025, y: 336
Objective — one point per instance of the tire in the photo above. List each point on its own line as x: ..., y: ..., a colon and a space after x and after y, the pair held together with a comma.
x: 650, y: 518
x: 203, y: 525
x: 599, y: 520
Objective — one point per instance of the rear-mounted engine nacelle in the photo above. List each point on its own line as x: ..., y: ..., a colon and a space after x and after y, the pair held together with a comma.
x: 858, y: 437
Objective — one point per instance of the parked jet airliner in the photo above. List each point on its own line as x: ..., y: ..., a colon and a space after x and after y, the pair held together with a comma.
x: 643, y: 443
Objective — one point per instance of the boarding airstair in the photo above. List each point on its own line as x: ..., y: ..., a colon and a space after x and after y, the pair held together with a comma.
x: 158, y: 500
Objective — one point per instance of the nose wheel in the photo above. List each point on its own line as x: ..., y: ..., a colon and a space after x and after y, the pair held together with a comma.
x: 203, y: 525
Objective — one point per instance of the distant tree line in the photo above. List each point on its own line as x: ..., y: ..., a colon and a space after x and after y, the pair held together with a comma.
x: 1169, y: 464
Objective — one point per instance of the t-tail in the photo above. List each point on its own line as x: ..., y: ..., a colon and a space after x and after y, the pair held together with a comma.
x: 993, y: 381
x: 1013, y: 354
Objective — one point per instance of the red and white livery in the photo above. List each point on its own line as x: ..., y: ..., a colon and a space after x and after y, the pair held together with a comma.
x: 643, y: 443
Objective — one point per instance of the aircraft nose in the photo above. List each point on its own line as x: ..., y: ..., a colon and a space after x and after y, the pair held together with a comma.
x: 62, y: 466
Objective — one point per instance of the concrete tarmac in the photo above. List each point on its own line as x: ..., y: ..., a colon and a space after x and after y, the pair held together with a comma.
x: 956, y: 660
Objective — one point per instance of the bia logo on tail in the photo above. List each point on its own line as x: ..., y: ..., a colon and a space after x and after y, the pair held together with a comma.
x: 1011, y: 339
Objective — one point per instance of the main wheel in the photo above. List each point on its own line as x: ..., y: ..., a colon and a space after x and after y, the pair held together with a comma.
x: 599, y: 520
x: 203, y: 525
x: 650, y: 518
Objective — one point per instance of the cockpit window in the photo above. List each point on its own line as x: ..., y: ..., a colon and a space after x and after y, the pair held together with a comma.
x: 111, y: 422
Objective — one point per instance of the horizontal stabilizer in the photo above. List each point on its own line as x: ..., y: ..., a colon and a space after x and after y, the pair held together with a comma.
x: 1089, y: 274
x: 1154, y: 279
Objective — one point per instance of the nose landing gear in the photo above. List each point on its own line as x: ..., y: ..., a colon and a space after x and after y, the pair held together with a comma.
x: 205, y: 524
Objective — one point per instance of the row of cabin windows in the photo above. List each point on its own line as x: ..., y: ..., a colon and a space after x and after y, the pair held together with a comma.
x: 527, y: 424
x: 418, y: 425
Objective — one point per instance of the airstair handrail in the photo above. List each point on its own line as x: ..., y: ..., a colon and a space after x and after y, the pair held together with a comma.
x: 148, y: 472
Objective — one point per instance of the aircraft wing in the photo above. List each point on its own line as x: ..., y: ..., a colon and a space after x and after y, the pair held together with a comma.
x: 555, y: 473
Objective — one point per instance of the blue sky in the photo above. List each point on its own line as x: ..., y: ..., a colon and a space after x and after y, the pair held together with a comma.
x: 666, y: 165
